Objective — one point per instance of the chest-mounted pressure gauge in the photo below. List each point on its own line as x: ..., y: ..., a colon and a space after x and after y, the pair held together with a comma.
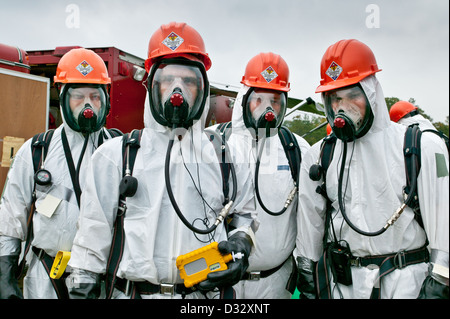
x: 43, y: 177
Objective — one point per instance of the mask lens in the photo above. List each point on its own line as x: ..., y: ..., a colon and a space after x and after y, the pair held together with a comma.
x: 348, y: 104
x: 262, y: 106
x: 181, y: 86
x: 85, y: 107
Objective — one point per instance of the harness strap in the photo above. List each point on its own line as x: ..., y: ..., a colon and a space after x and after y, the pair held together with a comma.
x: 131, y: 140
x: 224, y: 166
x: 386, y: 263
x: 114, y: 132
x: 71, y: 166
x: 39, y: 149
x: 138, y: 288
x: 255, y: 275
x: 292, y: 151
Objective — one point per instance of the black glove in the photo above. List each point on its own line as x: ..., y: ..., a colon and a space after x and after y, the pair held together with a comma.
x: 305, y: 279
x: 239, y: 242
x: 9, y: 285
x: 432, y: 289
x: 83, y: 284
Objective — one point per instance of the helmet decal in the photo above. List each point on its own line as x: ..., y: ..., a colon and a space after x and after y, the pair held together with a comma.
x: 269, y: 74
x: 334, y: 70
x: 84, y: 68
x: 173, y: 41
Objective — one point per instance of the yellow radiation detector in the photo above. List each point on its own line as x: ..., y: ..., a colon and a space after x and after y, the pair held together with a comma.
x: 196, y: 265
x: 59, y: 264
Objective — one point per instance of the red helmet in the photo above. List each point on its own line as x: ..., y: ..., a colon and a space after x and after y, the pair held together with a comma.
x: 82, y: 66
x: 400, y: 109
x: 345, y: 63
x: 267, y: 71
x: 176, y: 39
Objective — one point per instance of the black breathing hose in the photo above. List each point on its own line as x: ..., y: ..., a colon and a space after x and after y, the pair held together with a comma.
x: 222, y: 214
x: 258, y: 195
x: 394, y: 217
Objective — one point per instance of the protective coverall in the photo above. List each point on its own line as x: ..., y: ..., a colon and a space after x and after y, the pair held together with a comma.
x: 53, y: 233
x: 275, y: 238
x: 373, y: 181
x: 424, y: 123
x: 154, y: 234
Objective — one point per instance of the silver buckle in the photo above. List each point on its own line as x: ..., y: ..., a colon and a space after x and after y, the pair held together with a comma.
x: 41, y: 254
x: 167, y: 289
x: 254, y: 275
x: 400, y: 260
x: 356, y: 262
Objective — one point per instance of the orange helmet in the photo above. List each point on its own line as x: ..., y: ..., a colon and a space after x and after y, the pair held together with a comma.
x: 345, y: 63
x: 400, y: 109
x: 176, y: 39
x: 82, y: 66
x: 267, y: 71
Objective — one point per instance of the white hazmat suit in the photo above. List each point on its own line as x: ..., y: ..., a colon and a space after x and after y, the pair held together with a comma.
x: 373, y: 182
x: 54, y: 229
x: 275, y: 238
x: 154, y: 234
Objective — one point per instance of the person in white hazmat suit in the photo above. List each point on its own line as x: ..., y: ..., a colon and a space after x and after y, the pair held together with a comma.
x: 406, y: 113
x: 84, y: 102
x: 364, y: 255
x: 264, y: 92
x: 154, y: 233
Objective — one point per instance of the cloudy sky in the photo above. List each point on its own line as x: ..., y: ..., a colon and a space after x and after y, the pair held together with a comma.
x: 410, y: 38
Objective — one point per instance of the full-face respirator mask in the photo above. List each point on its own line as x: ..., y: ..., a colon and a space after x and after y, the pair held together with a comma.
x: 264, y: 109
x: 348, y: 111
x: 84, y: 106
x: 178, y: 89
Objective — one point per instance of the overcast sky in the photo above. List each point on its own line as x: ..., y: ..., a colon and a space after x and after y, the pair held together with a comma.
x: 410, y: 38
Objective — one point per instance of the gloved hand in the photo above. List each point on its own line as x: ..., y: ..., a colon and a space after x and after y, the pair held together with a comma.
x: 8, y: 281
x: 239, y: 242
x: 432, y: 289
x: 9, y: 257
x: 83, y: 284
x: 305, y: 279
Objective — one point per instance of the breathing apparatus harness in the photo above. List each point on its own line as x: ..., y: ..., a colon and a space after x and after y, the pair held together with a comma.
x: 337, y: 254
x: 39, y: 149
x: 317, y: 171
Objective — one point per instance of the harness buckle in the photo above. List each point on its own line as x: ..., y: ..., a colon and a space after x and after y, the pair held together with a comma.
x: 122, y: 209
x: 167, y: 289
x: 41, y: 254
x: 356, y: 262
x: 400, y: 260
x: 254, y: 275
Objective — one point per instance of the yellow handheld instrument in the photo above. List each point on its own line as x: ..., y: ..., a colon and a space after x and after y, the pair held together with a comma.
x: 196, y: 265
x: 59, y: 264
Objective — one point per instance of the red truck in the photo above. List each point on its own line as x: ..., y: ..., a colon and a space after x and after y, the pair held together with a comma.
x: 13, y: 58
